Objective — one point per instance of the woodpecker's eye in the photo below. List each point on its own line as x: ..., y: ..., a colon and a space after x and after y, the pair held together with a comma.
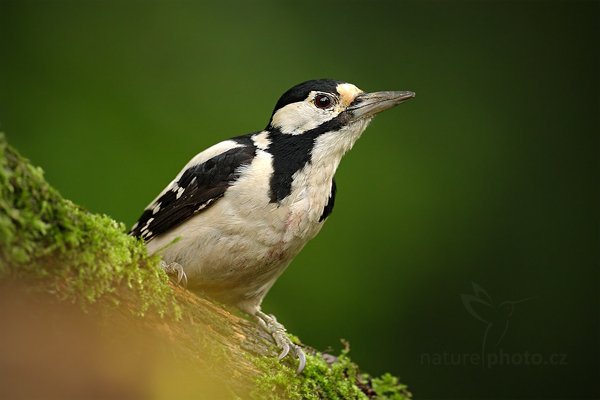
x: 323, y: 101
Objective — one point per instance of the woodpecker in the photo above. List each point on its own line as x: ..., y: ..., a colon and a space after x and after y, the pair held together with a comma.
x: 239, y: 212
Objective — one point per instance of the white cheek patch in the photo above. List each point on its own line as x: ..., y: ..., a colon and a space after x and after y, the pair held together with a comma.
x: 299, y: 117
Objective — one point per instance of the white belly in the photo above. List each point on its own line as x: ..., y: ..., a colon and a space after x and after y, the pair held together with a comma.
x: 236, y: 249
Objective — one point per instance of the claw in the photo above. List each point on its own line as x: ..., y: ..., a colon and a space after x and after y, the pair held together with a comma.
x: 181, y: 276
x: 301, y: 359
x: 175, y: 268
x: 285, y: 351
x: 278, y: 333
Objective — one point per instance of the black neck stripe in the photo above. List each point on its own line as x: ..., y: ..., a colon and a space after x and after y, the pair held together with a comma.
x: 292, y: 152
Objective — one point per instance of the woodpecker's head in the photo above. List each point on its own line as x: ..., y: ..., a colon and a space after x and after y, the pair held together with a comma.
x: 312, y: 103
x: 333, y: 108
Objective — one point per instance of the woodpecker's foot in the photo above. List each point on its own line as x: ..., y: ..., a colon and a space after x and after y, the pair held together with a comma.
x: 175, y: 269
x: 278, y: 332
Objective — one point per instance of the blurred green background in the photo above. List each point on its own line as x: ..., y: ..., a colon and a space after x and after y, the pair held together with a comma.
x: 490, y: 176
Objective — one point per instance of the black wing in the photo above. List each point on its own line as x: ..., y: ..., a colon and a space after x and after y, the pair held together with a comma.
x: 197, y: 189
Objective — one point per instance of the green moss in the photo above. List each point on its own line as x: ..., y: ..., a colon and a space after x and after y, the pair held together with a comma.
x: 387, y: 387
x: 321, y: 380
x: 77, y: 255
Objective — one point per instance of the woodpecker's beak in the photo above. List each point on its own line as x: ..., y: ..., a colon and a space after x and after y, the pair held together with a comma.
x: 366, y: 105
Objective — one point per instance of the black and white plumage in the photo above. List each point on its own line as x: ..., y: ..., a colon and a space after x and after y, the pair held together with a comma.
x: 241, y: 210
x: 195, y: 189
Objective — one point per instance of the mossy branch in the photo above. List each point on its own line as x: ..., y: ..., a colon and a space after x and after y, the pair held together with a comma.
x: 87, y: 293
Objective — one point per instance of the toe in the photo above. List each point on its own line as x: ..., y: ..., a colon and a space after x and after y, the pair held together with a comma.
x: 278, y: 333
x: 175, y: 269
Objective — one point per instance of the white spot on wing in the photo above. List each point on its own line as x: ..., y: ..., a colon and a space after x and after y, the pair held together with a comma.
x: 156, y: 209
x: 145, y: 230
x: 203, y: 206
x: 211, y: 152
x: 179, y: 192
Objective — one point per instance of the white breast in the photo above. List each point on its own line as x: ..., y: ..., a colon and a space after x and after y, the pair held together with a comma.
x: 237, y: 248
